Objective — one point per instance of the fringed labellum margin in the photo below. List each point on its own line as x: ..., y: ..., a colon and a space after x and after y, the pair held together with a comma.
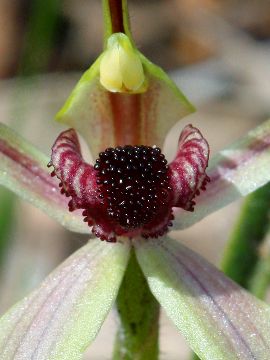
x: 131, y: 190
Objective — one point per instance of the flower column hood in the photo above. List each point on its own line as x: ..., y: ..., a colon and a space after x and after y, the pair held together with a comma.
x: 131, y: 190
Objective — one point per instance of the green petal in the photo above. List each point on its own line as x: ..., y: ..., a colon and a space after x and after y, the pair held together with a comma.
x: 219, y: 319
x: 23, y: 170
x: 107, y: 119
x: 234, y: 172
x: 61, y: 318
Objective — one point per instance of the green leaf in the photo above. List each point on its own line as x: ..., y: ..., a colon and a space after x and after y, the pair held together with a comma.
x: 234, y: 172
x: 219, y: 319
x: 23, y: 170
x: 61, y: 318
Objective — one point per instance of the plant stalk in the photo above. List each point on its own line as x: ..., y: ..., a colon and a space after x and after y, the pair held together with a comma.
x: 116, y: 19
x: 242, y: 254
x: 138, y: 311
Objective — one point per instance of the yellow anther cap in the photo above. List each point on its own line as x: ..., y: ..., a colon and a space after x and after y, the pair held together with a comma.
x: 121, y: 68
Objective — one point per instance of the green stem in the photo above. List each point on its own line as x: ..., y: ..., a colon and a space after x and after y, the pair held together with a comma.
x: 7, y: 204
x: 116, y: 19
x: 242, y: 255
x: 259, y: 282
x: 138, y: 310
x: 43, y: 21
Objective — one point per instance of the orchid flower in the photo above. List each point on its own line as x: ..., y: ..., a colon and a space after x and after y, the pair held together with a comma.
x: 123, y: 107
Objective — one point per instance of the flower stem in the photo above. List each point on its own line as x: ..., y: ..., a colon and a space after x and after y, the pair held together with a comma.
x: 259, y: 282
x: 242, y: 255
x: 43, y: 24
x: 138, y: 310
x: 115, y: 14
x: 7, y: 205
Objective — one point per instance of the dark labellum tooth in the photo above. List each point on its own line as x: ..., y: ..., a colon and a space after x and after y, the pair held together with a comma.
x: 155, y: 150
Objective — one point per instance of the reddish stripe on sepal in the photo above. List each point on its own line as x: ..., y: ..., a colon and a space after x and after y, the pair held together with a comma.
x: 187, y: 170
x: 77, y: 178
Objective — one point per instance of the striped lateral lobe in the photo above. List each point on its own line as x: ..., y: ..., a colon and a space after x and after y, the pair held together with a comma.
x: 77, y: 177
x: 188, y: 168
x: 78, y: 180
x: 235, y: 171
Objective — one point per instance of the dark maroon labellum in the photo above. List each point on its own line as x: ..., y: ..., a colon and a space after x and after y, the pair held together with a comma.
x: 133, y: 183
x: 131, y: 191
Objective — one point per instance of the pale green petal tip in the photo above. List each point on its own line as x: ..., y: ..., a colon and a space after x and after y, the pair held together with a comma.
x: 158, y: 73
x: 89, y: 79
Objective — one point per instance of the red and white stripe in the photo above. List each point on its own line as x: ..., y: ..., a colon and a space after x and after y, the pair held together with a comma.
x: 77, y: 177
x: 187, y: 170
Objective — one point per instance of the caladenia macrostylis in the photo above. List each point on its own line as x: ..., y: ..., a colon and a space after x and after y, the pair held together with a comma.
x: 123, y: 106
